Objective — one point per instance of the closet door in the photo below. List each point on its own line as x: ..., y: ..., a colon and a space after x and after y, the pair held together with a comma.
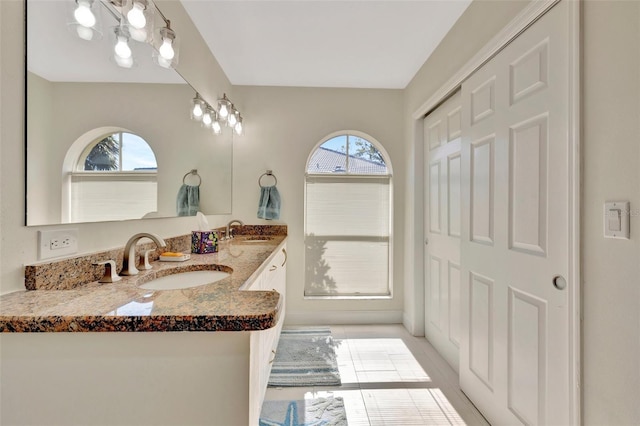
x: 514, y: 355
x: 442, y: 131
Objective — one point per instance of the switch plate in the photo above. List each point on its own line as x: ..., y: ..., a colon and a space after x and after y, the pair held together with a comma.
x: 57, y: 243
x: 616, y: 219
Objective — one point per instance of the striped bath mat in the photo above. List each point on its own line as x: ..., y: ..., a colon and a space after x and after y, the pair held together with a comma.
x: 305, y: 356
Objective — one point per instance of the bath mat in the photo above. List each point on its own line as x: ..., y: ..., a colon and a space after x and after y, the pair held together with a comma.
x: 305, y: 356
x: 309, y: 412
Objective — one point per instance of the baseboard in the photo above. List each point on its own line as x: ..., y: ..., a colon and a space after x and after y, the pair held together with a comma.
x: 413, y: 328
x: 343, y: 317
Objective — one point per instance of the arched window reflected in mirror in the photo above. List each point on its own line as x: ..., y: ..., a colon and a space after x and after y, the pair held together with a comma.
x: 118, y: 168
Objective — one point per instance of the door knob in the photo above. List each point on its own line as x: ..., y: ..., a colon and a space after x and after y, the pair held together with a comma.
x: 559, y: 282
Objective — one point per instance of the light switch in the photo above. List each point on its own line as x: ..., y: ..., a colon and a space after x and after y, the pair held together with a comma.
x: 616, y: 219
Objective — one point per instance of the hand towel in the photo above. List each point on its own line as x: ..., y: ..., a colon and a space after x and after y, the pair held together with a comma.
x: 269, y: 205
x: 188, y: 200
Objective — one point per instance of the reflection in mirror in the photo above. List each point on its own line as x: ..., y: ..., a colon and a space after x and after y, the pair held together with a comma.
x: 108, y: 143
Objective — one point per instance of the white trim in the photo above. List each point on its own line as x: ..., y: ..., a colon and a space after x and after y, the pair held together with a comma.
x: 574, y: 296
x: 521, y: 22
x: 343, y: 317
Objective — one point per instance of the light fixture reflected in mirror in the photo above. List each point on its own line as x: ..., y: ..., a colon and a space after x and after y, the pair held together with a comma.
x: 223, y: 107
x: 121, y: 50
x: 140, y: 16
x: 136, y: 19
x: 166, y: 47
x: 207, y: 117
x: 233, y: 118
x: 238, y: 128
x: 85, y: 19
x: 197, y: 108
x: 215, y: 125
x: 136, y: 14
x: 212, y: 119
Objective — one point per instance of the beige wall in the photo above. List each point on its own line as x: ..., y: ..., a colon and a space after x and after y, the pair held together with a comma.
x: 283, y: 126
x: 610, y: 171
x: 18, y: 244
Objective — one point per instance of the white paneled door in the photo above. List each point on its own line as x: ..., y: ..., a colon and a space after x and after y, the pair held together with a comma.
x: 515, y: 235
x: 442, y: 131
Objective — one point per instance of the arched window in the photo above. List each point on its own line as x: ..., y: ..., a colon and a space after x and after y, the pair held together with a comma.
x: 348, y: 218
x: 114, y: 169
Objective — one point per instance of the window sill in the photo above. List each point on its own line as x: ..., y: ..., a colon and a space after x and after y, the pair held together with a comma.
x: 349, y: 297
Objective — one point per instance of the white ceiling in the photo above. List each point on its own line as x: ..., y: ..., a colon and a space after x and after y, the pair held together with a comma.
x: 323, y: 43
x: 308, y: 43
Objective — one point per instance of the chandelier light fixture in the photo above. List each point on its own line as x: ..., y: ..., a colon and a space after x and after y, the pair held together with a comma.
x: 215, y: 125
x: 198, y: 106
x: 165, y: 42
x: 135, y: 23
x: 85, y: 21
x: 226, y: 115
x: 224, y: 105
x: 121, y: 50
x: 232, y: 119
x: 238, y: 129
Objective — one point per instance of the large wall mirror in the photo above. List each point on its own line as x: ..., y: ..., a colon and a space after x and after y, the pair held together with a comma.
x: 107, y: 143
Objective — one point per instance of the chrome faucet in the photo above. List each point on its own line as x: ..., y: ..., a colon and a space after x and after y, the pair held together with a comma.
x: 129, y: 259
x: 228, y: 235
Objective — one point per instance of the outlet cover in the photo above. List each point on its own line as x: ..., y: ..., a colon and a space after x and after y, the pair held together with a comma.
x: 57, y: 243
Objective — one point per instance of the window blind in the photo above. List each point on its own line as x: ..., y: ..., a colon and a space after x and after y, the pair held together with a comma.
x: 347, y: 230
x: 94, y: 195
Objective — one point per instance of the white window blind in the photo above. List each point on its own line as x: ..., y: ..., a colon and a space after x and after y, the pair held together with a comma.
x: 93, y: 196
x: 347, y: 234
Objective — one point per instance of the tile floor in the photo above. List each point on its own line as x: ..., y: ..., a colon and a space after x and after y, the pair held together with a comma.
x: 391, y: 378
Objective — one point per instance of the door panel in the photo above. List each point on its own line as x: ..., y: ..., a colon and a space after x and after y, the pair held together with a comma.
x: 515, y: 237
x: 454, y: 303
x: 528, y: 185
x: 435, y: 292
x: 434, y: 201
x: 481, y: 183
x: 442, y: 222
x: 481, y: 328
x: 453, y: 195
x: 527, y: 356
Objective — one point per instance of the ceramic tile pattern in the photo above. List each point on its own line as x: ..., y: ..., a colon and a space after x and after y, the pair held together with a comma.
x: 391, y: 378
x: 57, y: 305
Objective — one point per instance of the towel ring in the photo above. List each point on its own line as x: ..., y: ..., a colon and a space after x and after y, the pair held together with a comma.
x: 268, y: 173
x: 195, y: 173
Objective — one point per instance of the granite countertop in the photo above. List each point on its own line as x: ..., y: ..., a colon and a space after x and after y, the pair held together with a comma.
x: 124, y: 306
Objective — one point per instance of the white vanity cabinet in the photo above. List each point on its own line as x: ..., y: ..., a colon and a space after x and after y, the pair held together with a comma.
x: 264, y: 343
x: 215, y: 378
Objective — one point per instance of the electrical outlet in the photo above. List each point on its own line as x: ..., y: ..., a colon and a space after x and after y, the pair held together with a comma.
x: 57, y: 242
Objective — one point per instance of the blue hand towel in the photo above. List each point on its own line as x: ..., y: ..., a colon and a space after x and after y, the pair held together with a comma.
x: 269, y: 206
x: 188, y: 200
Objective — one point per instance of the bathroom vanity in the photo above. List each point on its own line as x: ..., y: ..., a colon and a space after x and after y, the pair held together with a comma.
x: 118, y: 354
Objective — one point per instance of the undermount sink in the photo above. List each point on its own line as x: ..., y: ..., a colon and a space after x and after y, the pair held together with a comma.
x: 182, y: 280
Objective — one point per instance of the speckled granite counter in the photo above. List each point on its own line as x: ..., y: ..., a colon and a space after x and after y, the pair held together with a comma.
x: 124, y: 306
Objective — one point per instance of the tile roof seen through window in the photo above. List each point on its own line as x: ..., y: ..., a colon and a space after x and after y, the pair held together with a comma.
x: 325, y: 160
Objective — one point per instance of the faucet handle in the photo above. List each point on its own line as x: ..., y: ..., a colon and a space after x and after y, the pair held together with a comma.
x: 110, y: 274
x: 144, y: 261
